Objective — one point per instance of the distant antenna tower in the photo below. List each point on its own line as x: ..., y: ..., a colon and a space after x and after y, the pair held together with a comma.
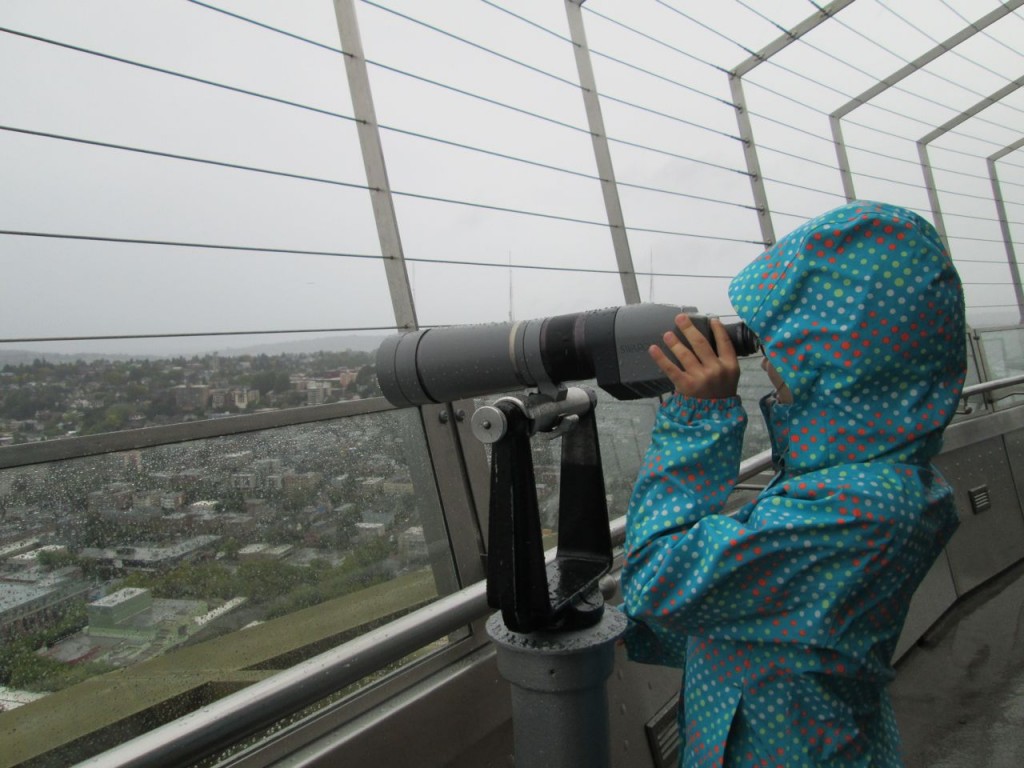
x: 511, y: 296
x: 650, y: 277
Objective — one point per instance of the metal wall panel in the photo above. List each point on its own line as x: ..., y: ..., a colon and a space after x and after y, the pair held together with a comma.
x: 933, y: 598
x: 989, y: 541
x: 636, y: 692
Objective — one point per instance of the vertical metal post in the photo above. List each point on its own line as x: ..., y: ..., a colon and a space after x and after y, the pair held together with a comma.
x: 376, y: 170
x: 1004, y: 224
x: 743, y: 115
x: 946, y: 127
x: 977, y: 348
x: 447, y: 453
x: 764, y: 215
x: 602, y: 153
x: 933, y: 193
x: 559, y: 691
x: 845, y: 174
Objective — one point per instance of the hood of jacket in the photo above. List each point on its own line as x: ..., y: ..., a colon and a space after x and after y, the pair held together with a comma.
x: 861, y: 312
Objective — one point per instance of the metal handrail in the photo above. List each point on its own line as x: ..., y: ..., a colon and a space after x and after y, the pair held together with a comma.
x: 988, y: 386
x: 252, y: 709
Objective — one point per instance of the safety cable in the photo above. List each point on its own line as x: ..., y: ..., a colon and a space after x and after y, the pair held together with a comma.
x: 873, y: 152
x: 268, y: 27
x: 977, y: 239
x: 955, y: 53
x: 350, y: 118
x: 625, y: 102
x: 296, y: 251
x: 942, y: 78
x: 336, y: 182
x: 549, y: 119
x: 525, y: 20
x: 797, y: 102
x: 663, y: 78
x: 339, y: 115
x: 495, y: 102
x: 843, y: 61
x: 886, y: 179
x: 787, y: 69
x: 341, y: 254
x: 662, y: 43
x: 446, y: 33
x: 523, y: 111
x: 980, y: 261
x: 477, y: 96
x: 673, y: 118
x: 707, y: 27
x: 173, y: 73
x: 559, y: 169
x: 595, y: 52
x: 188, y: 158
x: 678, y: 156
x: 795, y: 72
x: 983, y: 32
x: 865, y: 126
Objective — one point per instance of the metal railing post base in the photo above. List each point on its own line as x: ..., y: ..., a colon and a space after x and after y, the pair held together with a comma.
x: 559, y: 693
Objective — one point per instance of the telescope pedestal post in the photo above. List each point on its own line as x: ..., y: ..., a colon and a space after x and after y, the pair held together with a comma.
x: 559, y: 690
x: 555, y: 637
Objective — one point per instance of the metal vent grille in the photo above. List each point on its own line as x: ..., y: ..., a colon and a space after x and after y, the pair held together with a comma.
x: 663, y: 736
x: 980, y: 498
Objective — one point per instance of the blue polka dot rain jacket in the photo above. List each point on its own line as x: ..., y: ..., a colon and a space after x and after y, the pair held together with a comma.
x: 785, y: 614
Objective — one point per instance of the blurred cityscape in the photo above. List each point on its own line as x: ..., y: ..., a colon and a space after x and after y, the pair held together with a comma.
x: 44, y: 399
x: 109, y: 561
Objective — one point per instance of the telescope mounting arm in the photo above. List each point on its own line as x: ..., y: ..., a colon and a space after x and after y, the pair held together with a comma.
x: 530, y: 594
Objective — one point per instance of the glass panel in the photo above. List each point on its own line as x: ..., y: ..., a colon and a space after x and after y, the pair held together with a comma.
x: 754, y: 385
x: 507, y: 180
x: 186, y: 572
x: 1003, y: 351
x: 624, y: 432
x: 624, y: 428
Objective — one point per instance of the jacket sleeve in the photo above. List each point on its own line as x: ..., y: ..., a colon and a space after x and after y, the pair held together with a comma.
x: 828, y: 559
x: 688, y: 473
x: 690, y: 467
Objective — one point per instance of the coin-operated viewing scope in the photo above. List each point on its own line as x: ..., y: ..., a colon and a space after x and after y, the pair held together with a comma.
x: 439, y: 365
x: 445, y: 364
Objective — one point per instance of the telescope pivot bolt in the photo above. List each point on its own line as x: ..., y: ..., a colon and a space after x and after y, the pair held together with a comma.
x: 489, y: 424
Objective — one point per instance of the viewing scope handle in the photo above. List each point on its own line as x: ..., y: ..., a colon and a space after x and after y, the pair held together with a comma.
x: 439, y: 365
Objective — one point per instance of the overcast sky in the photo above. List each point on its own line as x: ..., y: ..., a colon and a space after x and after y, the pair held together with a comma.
x: 676, y: 134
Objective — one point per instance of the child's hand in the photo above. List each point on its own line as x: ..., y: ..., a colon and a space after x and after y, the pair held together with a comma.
x: 699, y: 372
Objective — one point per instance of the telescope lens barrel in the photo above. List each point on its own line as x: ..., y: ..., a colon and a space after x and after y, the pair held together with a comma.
x: 444, y: 364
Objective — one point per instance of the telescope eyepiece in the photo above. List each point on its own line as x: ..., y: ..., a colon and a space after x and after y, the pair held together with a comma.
x: 744, y: 341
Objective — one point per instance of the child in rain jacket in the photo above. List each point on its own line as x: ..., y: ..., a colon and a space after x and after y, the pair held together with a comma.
x: 785, y: 615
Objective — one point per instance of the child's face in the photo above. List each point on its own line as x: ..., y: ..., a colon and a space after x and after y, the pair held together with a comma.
x: 782, y: 391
